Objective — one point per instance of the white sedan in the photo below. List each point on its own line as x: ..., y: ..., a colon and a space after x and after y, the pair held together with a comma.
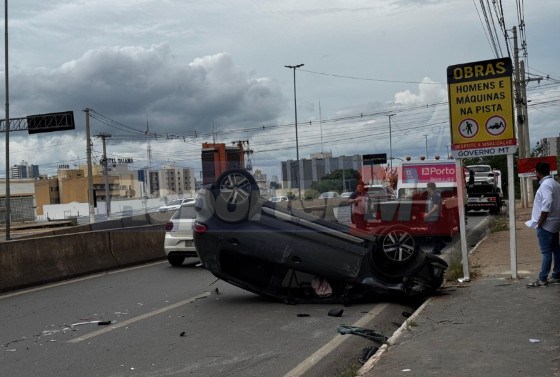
x: 178, y: 243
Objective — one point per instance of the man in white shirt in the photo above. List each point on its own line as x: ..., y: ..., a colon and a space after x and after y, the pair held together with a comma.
x: 546, y: 219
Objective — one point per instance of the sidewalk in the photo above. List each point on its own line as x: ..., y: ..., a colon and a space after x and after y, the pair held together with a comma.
x: 491, y: 326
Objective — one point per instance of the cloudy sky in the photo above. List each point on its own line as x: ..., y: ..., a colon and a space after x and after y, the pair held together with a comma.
x: 199, y: 71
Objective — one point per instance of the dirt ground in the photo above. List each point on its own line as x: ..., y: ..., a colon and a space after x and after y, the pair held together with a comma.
x: 493, y: 257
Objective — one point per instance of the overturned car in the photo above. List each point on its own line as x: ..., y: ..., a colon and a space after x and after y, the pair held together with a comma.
x: 281, y: 250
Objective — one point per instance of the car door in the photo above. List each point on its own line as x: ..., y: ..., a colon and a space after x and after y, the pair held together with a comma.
x: 326, y: 249
x: 267, y: 236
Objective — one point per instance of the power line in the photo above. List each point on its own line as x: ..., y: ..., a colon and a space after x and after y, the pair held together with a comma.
x: 368, y: 79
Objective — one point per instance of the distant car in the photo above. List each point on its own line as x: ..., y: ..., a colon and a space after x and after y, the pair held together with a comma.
x: 175, y: 204
x: 288, y: 254
x: 329, y: 195
x: 276, y: 199
x: 178, y: 243
x: 379, y: 192
x: 345, y: 194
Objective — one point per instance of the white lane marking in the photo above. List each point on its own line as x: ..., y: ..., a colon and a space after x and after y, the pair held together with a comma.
x: 70, y: 281
x: 306, y: 364
x: 483, y: 222
x: 139, y: 318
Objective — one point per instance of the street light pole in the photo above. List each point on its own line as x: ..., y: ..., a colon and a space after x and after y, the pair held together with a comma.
x: 294, y: 67
x: 390, y: 141
x: 426, y: 137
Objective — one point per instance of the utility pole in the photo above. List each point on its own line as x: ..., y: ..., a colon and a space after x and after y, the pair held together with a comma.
x: 390, y: 142
x: 8, y: 210
x: 106, y: 175
x: 89, y: 169
x: 520, y: 117
x: 426, y: 137
x: 527, y: 141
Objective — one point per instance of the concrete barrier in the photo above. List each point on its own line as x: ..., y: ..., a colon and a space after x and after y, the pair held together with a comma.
x: 40, y: 260
x: 71, y: 230
x: 137, y: 220
x: 43, y: 259
x: 138, y: 244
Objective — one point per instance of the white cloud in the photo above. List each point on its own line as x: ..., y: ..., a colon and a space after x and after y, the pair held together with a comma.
x: 428, y: 92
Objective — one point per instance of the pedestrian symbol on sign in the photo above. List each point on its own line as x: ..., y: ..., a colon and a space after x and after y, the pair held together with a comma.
x: 468, y: 128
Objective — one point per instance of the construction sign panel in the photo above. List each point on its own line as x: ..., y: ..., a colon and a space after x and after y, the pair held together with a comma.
x: 526, y: 166
x: 481, y: 108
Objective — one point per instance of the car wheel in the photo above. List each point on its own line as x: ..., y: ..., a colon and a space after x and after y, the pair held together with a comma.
x: 175, y: 260
x: 398, y: 245
x: 237, y: 194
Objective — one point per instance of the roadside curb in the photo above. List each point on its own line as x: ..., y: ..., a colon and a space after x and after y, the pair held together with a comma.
x: 370, y: 364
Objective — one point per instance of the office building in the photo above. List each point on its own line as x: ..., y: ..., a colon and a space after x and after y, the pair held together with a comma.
x: 217, y: 158
x: 301, y: 175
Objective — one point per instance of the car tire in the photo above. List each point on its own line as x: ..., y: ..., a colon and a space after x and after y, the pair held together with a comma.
x: 237, y: 194
x: 175, y: 260
x: 397, y: 246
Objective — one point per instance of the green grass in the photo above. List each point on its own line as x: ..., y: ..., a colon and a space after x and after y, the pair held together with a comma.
x: 410, y: 323
x: 352, y: 371
x: 455, y: 269
x: 498, y: 224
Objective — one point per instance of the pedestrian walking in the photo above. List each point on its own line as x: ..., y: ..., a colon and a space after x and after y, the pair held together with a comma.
x: 545, y: 217
x: 432, y: 216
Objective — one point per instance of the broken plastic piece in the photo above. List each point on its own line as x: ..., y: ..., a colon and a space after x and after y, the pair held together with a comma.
x: 89, y: 322
x: 336, y: 312
x: 366, y: 333
x: 407, y: 370
x: 534, y: 341
x: 183, y: 334
x: 367, y: 353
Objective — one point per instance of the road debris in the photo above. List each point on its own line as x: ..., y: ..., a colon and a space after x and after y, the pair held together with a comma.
x: 363, y: 332
x: 367, y: 353
x: 336, y: 312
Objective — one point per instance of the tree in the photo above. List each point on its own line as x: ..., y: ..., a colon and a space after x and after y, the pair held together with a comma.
x: 333, y: 180
x: 538, y: 151
x: 275, y: 185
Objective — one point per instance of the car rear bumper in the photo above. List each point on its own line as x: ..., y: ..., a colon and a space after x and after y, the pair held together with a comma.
x: 179, y: 247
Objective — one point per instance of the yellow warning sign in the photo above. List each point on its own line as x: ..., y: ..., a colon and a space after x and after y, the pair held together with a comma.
x: 481, y: 108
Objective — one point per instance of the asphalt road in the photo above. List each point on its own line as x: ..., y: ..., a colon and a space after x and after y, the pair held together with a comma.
x: 167, y: 321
